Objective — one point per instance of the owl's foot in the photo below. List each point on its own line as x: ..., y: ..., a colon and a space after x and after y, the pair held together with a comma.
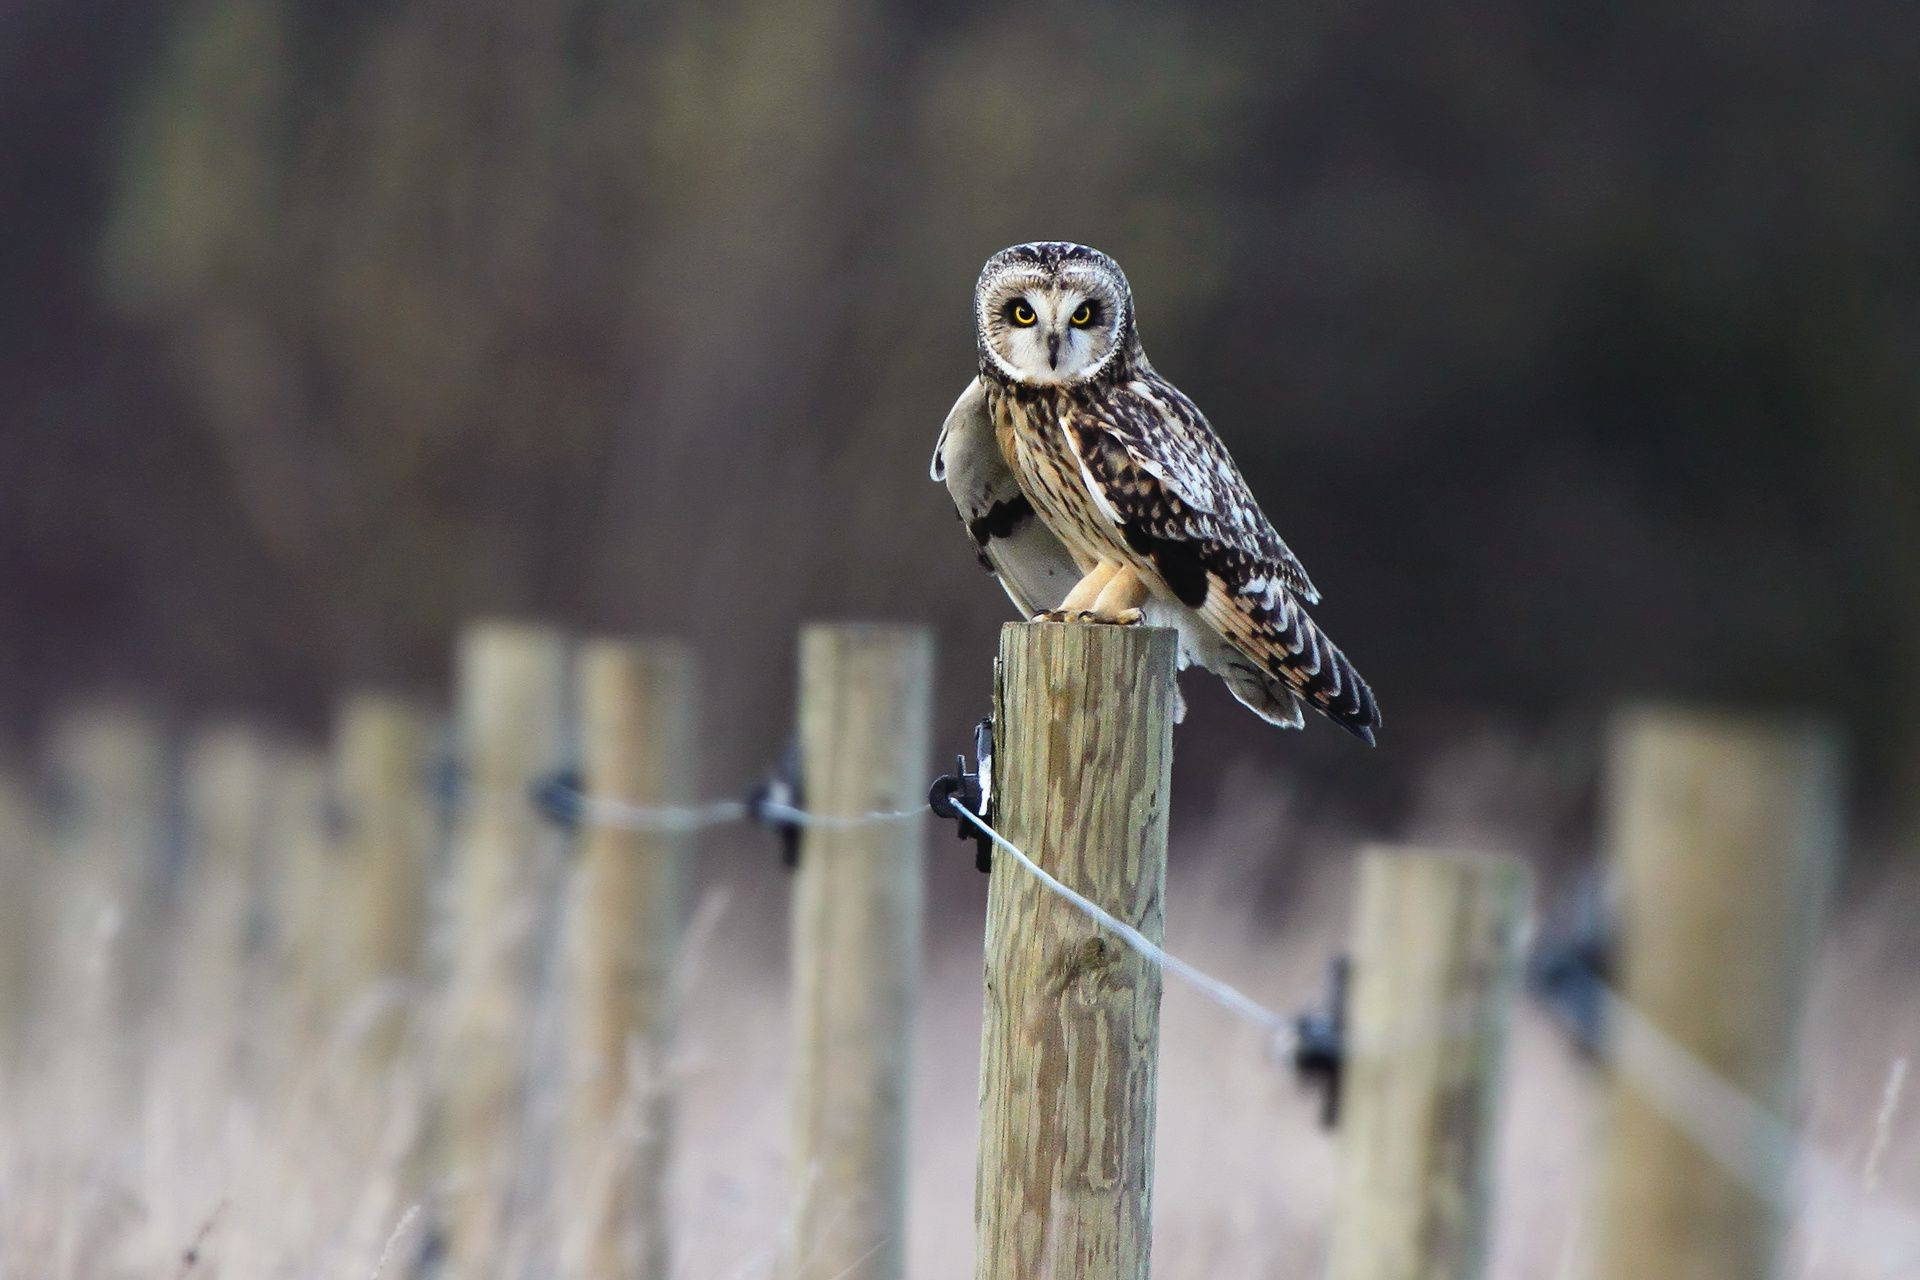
x: 1111, y: 593
x: 1086, y: 592
x: 1120, y: 599
x: 1124, y: 618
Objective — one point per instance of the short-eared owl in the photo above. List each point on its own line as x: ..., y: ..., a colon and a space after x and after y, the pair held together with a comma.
x: 1093, y: 488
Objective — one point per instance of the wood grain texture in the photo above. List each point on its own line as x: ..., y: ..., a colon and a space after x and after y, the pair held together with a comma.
x: 1725, y: 836
x: 382, y: 770
x: 1438, y: 949
x: 858, y: 899
x: 513, y: 691
x: 1083, y: 719
x: 637, y: 702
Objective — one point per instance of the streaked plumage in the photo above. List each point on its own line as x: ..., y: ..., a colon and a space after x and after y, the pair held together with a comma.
x: 1069, y: 455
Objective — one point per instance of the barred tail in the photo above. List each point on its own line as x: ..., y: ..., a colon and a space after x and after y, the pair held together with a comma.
x: 1307, y: 662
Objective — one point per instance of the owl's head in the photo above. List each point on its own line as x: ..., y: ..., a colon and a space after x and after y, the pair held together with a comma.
x: 1052, y: 313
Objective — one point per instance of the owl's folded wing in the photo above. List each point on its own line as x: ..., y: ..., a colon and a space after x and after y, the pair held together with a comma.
x: 1031, y: 564
x: 1199, y: 496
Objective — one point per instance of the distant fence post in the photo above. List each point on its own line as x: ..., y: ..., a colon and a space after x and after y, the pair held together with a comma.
x: 227, y: 780
x: 299, y: 916
x: 23, y: 870
x: 513, y: 692
x: 865, y: 699
x: 108, y: 768
x: 1725, y: 836
x: 636, y: 703
x: 1437, y: 957
x: 383, y: 759
x: 1083, y: 719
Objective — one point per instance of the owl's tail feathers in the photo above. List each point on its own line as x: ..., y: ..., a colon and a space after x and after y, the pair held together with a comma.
x: 1313, y: 667
x: 1266, y: 697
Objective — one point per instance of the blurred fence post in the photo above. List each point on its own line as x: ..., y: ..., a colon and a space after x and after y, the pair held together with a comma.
x: 108, y: 771
x: 383, y: 755
x: 513, y: 698
x: 1437, y: 957
x: 298, y: 915
x: 1083, y: 717
x: 1725, y: 836
x: 23, y: 873
x: 858, y: 898
x: 636, y: 707
x: 227, y: 781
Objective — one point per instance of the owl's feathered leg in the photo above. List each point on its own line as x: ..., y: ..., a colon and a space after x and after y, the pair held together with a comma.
x: 1120, y: 599
x: 1084, y: 594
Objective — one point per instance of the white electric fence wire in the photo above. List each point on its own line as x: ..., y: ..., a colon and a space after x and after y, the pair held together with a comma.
x: 619, y: 815
x: 622, y: 816
x: 630, y: 817
x: 1752, y: 1143
x: 1278, y: 1027
x: 1737, y: 1132
x: 832, y: 821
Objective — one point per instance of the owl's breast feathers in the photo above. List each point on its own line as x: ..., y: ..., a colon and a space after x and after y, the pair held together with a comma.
x: 1157, y: 472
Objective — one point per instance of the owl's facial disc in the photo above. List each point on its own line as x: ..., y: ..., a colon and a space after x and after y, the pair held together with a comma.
x: 1051, y: 328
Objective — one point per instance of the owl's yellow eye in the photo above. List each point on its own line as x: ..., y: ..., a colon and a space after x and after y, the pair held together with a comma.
x: 1084, y: 316
x: 1023, y: 314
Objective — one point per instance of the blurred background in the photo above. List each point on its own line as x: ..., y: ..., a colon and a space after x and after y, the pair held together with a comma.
x: 1572, y: 347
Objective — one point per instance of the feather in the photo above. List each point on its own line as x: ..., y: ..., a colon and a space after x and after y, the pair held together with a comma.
x: 1158, y: 472
x: 1032, y: 564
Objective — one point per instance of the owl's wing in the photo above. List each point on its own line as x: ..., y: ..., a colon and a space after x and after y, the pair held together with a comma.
x: 1165, y: 435
x: 1155, y: 468
x: 1031, y: 564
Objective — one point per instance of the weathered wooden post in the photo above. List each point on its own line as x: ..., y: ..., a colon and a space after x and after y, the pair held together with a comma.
x: 1437, y: 956
x: 383, y: 756
x: 513, y: 699
x: 637, y: 704
x: 1725, y: 836
x: 1083, y: 717
x: 865, y: 699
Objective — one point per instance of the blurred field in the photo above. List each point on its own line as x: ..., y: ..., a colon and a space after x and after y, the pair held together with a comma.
x: 276, y: 1161
x: 1571, y: 346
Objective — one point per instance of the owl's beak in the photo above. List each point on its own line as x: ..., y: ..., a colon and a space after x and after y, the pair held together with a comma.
x: 1053, y: 351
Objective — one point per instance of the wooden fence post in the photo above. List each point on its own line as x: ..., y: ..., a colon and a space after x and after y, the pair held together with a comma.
x: 23, y: 872
x: 109, y: 771
x: 299, y: 914
x: 382, y: 771
x: 1438, y: 948
x: 227, y: 781
x: 1725, y: 836
x: 513, y: 699
x: 858, y: 897
x: 1069, y: 1056
x: 637, y: 748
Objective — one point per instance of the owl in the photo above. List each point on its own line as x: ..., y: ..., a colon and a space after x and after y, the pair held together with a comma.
x: 1094, y: 490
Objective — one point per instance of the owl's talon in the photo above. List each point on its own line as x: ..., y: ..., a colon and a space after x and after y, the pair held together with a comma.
x: 1049, y: 615
x: 1127, y: 618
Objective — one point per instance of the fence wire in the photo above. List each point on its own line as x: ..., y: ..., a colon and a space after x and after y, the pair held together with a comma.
x: 1736, y: 1131
x: 1277, y: 1027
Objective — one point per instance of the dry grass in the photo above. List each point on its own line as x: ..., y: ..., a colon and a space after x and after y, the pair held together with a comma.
x: 181, y: 1155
